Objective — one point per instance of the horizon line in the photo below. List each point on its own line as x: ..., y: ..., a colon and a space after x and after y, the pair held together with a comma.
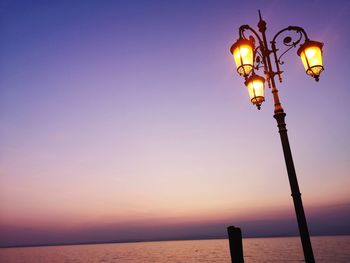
x: 160, y: 240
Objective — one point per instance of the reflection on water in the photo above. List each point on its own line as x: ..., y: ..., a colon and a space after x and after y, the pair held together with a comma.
x: 287, y: 249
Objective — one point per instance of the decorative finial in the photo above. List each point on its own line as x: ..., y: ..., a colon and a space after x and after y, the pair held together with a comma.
x: 262, y: 23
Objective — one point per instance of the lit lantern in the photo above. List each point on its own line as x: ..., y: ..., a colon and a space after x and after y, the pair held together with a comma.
x: 242, y: 52
x: 255, y: 86
x: 311, y: 56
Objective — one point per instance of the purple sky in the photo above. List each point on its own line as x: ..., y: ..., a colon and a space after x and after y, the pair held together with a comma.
x: 120, y: 113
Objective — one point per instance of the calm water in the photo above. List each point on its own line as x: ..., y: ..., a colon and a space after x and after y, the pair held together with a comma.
x: 288, y: 249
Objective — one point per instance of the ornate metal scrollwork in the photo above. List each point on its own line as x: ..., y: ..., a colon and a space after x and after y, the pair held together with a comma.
x: 259, y: 62
x: 259, y: 49
x: 290, y: 41
x: 287, y: 42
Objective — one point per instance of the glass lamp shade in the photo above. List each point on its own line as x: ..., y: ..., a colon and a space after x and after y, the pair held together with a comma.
x: 255, y: 86
x: 243, y: 55
x: 311, y: 56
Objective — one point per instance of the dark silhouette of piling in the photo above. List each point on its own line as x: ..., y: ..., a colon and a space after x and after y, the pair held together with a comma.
x: 236, y: 247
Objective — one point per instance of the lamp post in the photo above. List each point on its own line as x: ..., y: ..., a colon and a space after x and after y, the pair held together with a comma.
x: 252, y: 53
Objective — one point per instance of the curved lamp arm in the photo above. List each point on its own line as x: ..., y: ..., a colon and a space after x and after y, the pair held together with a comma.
x: 289, y: 42
x: 259, y: 57
x: 247, y: 27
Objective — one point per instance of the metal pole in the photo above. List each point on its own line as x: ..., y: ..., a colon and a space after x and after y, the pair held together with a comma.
x: 280, y: 118
x: 294, y: 186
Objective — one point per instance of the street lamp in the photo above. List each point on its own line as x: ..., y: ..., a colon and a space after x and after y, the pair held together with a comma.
x: 252, y: 53
x: 255, y: 85
x: 311, y: 56
x: 242, y: 52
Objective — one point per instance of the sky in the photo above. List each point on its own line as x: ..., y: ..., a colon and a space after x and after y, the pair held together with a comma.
x: 126, y: 120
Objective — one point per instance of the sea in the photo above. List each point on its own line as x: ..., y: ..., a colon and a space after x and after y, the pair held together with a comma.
x: 327, y: 249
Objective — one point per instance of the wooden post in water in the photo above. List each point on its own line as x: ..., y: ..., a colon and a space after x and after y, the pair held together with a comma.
x: 236, y: 247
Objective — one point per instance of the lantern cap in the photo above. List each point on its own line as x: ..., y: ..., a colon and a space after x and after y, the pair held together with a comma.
x: 254, y: 77
x: 241, y: 41
x: 309, y: 43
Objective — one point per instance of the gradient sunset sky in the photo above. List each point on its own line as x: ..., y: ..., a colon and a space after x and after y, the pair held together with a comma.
x: 126, y: 120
